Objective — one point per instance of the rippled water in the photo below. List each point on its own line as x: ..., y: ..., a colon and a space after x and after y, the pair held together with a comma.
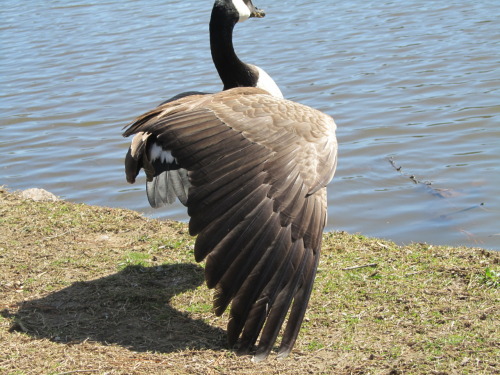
x: 416, y: 82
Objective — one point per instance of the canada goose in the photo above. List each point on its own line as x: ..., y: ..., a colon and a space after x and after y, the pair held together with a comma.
x: 255, y: 188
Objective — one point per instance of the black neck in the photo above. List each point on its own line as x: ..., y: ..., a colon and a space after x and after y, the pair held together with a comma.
x: 232, y: 71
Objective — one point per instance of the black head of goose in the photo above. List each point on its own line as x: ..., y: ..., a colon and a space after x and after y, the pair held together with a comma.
x: 256, y: 167
x: 232, y: 71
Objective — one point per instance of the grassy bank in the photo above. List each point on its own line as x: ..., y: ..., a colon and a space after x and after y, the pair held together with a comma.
x: 106, y: 291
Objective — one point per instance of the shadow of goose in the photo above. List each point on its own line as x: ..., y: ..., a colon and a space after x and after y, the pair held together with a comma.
x: 130, y: 308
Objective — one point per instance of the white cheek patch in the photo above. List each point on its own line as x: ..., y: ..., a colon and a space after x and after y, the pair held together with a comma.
x: 243, y: 10
x: 157, y: 152
x: 265, y: 82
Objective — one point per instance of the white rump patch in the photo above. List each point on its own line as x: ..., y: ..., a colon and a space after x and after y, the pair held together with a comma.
x: 242, y: 9
x: 157, y: 152
x: 265, y: 82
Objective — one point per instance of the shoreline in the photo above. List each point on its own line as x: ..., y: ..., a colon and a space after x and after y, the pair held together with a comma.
x: 104, y: 290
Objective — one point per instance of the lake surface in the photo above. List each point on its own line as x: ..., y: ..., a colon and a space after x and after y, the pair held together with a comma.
x: 413, y: 87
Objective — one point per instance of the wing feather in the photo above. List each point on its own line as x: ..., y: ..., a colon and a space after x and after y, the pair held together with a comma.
x: 203, y: 214
x: 208, y: 190
x: 301, y: 300
x: 167, y: 186
x: 267, y: 274
x: 256, y: 200
x: 218, y: 230
x: 160, y: 190
x: 284, y: 298
x: 253, y: 241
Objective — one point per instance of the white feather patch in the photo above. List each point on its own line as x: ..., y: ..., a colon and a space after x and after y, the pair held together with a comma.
x: 242, y: 9
x: 157, y: 152
x: 265, y: 82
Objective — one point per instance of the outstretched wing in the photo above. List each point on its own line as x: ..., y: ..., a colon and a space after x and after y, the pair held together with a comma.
x: 258, y: 167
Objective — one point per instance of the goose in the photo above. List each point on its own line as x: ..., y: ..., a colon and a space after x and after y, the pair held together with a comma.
x: 256, y: 167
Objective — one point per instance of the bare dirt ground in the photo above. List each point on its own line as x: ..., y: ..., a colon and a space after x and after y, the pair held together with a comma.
x: 94, y: 290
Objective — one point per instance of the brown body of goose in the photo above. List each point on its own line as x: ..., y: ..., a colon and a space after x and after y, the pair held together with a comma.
x: 256, y: 167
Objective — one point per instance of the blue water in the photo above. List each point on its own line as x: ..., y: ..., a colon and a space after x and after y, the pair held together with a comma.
x: 415, y: 81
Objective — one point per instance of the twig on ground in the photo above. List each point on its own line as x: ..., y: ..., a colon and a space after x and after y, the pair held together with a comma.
x: 362, y: 266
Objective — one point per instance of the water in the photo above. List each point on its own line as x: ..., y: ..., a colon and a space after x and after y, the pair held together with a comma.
x: 415, y: 81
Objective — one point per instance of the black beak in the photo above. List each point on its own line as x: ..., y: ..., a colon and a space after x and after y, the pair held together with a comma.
x: 256, y: 12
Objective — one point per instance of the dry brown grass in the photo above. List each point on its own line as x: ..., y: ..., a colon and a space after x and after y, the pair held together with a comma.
x: 105, y: 291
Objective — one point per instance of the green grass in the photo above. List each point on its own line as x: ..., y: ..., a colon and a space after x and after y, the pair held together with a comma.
x: 134, y: 259
x: 491, y: 278
x: 98, y: 290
